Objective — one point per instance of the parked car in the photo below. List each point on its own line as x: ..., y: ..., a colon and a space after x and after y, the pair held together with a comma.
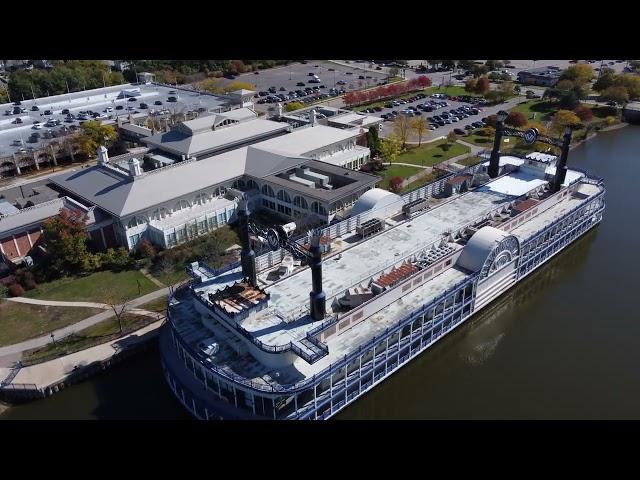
x: 17, y: 120
x: 170, y: 99
x: 133, y: 99
x: 459, y: 131
x: 35, y: 108
x: 157, y: 102
x: 300, y: 84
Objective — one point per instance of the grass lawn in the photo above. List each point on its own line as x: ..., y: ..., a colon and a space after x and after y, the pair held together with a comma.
x: 174, y: 277
x: 543, y: 110
x: 396, y: 170
x: 433, y: 176
x: 95, y: 335
x: 452, y: 90
x: 469, y: 161
x: 479, y: 140
x: 95, y: 287
x: 159, y: 305
x: 20, y: 321
x: 431, y: 153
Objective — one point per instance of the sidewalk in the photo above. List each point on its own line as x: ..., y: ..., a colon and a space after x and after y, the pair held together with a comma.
x: 8, y: 353
x: 55, y: 303
x: 44, y: 374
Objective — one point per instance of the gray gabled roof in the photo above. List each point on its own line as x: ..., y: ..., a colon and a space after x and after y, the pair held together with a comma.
x: 206, y: 140
x: 122, y: 195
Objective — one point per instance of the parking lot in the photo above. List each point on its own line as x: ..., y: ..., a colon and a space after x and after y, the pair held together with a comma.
x: 37, y: 122
x: 442, y: 114
x: 298, y: 76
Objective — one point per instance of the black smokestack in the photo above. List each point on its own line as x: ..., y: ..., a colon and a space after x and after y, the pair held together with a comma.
x: 247, y: 255
x: 561, y: 165
x: 317, y: 296
x: 494, y: 161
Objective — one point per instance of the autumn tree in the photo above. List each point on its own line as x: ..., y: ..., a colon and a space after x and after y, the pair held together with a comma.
x: 212, y: 85
x: 233, y: 86
x: 419, y: 126
x: 583, y: 112
x: 630, y: 82
x: 390, y: 148
x: 395, y: 184
x: 580, y: 74
x: 402, y: 127
x: 92, y: 135
x: 616, y: 94
x: 290, y: 107
x: 563, y: 119
x: 236, y: 67
x: 516, y: 119
x: 66, y: 242
x: 482, y: 85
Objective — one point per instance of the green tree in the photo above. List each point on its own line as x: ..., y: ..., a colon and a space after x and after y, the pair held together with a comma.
x: 373, y: 141
x: 448, y: 64
x: 470, y: 85
x: 465, y: 64
x: 490, y: 64
x: 92, y: 135
x: 393, y: 71
x: 390, y: 147
x: 290, y: 107
x: 605, y: 80
x: 66, y: 242
x: 616, y: 94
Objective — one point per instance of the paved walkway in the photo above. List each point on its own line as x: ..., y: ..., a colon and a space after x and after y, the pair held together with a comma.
x: 405, y: 164
x: 151, y: 278
x: 56, y: 303
x: 8, y: 353
x: 47, y: 373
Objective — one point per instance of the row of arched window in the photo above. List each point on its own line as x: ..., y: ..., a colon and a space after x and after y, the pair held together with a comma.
x: 282, y: 195
x: 182, y: 204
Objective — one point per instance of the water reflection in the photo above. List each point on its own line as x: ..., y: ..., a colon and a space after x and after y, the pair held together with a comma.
x: 484, y: 331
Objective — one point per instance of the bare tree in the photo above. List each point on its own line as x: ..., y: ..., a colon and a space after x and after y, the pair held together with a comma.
x: 419, y: 127
x: 119, y: 305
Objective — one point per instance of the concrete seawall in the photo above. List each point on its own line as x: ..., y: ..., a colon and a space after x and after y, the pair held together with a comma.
x: 47, y: 378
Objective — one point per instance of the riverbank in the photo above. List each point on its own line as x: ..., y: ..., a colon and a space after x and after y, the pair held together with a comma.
x: 44, y: 379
